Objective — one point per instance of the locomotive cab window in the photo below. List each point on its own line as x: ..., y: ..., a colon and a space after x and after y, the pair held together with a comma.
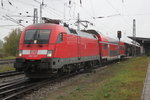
x: 60, y: 38
x: 29, y: 36
x: 41, y: 36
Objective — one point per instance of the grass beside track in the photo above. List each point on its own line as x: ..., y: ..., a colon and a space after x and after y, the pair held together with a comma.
x: 120, y: 81
x: 9, y: 57
x: 6, y: 68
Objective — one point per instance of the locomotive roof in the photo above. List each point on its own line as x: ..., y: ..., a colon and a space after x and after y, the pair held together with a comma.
x: 84, y: 33
x: 98, y: 34
x: 68, y: 30
x: 43, y: 24
x: 91, y: 31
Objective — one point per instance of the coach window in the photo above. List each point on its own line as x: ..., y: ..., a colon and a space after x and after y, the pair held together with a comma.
x: 60, y: 38
x: 121, y: 47
x: 95, y: 36
x: 105, y: 46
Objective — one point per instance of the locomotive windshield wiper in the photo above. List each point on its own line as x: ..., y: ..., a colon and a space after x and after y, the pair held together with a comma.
x: 34, y: 37
x: 38, y: 38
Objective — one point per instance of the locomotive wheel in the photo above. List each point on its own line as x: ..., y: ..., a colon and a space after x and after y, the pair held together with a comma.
x: 88, y: 66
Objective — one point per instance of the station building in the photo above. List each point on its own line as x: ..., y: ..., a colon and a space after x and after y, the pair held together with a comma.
x: 144, y: 43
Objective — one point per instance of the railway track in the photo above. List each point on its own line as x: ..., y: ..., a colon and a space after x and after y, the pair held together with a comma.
x: 15, y: 90
x: 11, y: 88
x: 8, y: 61
x: 9, y: 73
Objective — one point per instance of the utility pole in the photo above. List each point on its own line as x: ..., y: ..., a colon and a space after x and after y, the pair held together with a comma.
x: 41, y: 7
x: 81, y: 22
x: 78, y: 22
x: 65, y: 10
x: 134, y: 36
x: 35, y: 16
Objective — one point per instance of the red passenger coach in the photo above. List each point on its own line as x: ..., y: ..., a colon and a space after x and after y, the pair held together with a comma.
x: 110, y: 49
x: 113, y: 46
x: 103, y: 45
x: 122, y: 49
x: 114, y: 49
x: 46, y: 49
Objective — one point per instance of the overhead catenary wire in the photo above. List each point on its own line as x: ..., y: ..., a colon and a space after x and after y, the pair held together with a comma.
x: 92, y: 8
x: 13, y: 20
x: 27, y: 3
x: 136, y: 15
x: 57, y: 12
x: 54, y: 9
x: 3, y: 34
x: 123, y: 17
x: 112, y: 6
x: 54, y: 12
x: 124, y: 6
x: 8, y: 25
x: 51, y: 12
x: 7, y: 11
x: 4, y: 10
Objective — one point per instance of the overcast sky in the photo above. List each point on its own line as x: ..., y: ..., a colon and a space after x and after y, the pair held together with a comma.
x: 118, y: 14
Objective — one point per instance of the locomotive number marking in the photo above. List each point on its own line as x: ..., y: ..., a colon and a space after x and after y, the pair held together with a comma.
x: 33, y: 53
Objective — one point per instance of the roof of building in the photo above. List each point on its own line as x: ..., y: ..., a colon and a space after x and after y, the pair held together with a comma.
x: 140, y: 40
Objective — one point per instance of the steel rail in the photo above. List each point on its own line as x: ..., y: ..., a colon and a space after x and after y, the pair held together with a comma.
x: 8, y: 61
x: 12, y: 82
x: 9, y: 73
x: 16, y: 92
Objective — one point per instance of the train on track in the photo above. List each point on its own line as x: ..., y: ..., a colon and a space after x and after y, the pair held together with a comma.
x: 47, y: 49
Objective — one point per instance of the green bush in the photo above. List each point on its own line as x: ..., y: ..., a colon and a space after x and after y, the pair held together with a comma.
x: 11, y: 44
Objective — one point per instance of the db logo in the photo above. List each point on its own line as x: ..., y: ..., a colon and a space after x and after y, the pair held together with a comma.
x: 33, y: 52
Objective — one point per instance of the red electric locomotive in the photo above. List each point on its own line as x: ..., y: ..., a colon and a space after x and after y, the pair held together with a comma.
x: 47, y: 49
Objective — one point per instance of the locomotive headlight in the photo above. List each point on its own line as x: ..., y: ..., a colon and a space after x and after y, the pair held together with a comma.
x: 20, y: 52
x: 49, y: 53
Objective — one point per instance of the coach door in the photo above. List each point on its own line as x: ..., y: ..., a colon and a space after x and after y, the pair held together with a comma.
x: 79, y: 47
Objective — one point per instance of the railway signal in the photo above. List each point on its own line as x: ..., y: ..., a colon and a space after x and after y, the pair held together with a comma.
x: 119, y: 35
